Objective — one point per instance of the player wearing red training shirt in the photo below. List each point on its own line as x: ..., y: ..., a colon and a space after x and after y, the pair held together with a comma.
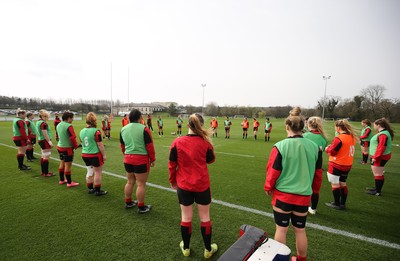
x: 65, y: 147
x: 139, y: 155
x: 20, y: 138
x: 188, y: 174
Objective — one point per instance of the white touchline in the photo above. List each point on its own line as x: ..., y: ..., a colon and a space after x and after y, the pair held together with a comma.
x: 259, y: 212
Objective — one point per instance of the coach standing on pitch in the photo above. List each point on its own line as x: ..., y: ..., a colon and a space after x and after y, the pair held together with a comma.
x: 289, y: 181
x: 139, y: 154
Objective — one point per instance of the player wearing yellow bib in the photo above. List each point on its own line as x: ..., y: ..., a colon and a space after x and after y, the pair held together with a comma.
x: 93, y: 154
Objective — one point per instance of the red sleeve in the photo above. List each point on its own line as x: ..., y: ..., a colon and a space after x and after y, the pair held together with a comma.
x: 273, y: 169
x: 334, y: 147
x: 29, y: 129
x: 270, y: 127
x: 366, y: 134
x: 122, y: 143
x: 72, y: 136
x: 21, y: 129
x: 149, y: 145
x: 382, y: 144
x: 97, y: 136
x: 172, y: 163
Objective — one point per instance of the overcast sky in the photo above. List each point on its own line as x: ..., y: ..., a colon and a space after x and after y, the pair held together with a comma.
x: 248, y: 52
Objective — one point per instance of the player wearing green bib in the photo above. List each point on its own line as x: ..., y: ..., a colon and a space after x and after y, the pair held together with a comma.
x: 160, y: 125
x: 179, y: 123
x: 20, y: 138
x: 227, y: 124
x: 93, y: 154
x: 31, y: 136
x: 65, y: 147
x: 381, y: 152
x: 316, y: 134
x: 290, y: 182
x: 139, y: 154
x: 366, y: 135
x: 267, y: 129
x: 44, y: 140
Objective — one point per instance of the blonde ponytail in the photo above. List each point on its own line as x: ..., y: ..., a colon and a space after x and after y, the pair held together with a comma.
x: 196, y: 123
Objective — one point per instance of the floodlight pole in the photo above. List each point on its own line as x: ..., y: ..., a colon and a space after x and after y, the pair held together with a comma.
x: 111, y: 105
x: 202, y: 107
x: 325, y: 78
x: 128, y: 87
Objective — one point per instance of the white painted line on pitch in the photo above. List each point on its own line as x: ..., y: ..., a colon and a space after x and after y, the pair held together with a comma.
x: 227, y: 153
x: 258, y: 212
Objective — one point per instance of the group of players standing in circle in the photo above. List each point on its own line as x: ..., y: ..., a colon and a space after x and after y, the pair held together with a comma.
x: 293, y: 185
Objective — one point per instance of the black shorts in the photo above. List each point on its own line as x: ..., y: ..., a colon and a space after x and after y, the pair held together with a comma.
x: 44, y: 145
x: 95, y: 161
x: 227, y: 128
x: 255, y: 128
x: 364, y: 144
x: 267, y: 131
x: 179, y: 126
x: 290, y: 207
x: 137, y: 169
x: 20, y: 143
x: 187, y: 198
x: 245, y: 129
x: 33, y: 140
x: 66, y: 154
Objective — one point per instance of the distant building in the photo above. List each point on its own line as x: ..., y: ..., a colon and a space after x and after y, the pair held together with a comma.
x: 144, y: 108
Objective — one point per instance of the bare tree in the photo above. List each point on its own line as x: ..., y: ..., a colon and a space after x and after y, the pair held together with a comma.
x: 373, y: 95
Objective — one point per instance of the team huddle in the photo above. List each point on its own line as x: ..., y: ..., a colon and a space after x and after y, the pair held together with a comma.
x: 293, y: 185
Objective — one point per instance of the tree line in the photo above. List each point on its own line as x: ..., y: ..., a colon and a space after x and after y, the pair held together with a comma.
x: 370, y: 103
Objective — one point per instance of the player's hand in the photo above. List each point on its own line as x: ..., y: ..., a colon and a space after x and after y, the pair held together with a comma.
x: 104, y: 157
x: 152, y: 164
x: 51, y: 143
x: 174, y: 186
x: 269, y: 192
x: 372, y: 161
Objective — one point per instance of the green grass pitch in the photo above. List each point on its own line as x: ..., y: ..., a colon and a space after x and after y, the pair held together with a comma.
x: 41, y: 220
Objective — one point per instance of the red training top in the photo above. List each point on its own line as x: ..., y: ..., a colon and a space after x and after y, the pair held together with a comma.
x: 187, y: 165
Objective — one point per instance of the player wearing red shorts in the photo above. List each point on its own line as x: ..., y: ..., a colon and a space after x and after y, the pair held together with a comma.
x: 65, y: 147
x: 341, y: 155
x: 381, y: 152
x: 93, y: 154
x: 139, y: 154
x: 32, y: 132
x: 21, y: 138
x: 365, y: 138
x: 44, y: 140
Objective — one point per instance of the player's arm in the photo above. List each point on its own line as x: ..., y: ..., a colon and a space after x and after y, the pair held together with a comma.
x: 210, y: 155
x: 122, y: 143
x: 21, y: 129
x: 273, y: 169
x: 99, y: 141
x: 72, y: 137
x: 149, y: 145
x: 334, y: 148
x: 173, y: 164
x: 318, y: 167
x: 380, y: 149
x: 366, y: 134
